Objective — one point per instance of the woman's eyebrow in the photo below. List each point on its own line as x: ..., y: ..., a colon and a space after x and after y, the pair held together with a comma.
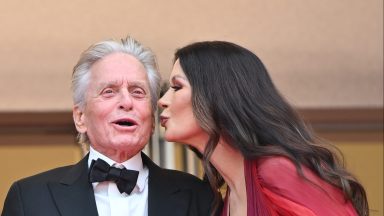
x: 174, y: 78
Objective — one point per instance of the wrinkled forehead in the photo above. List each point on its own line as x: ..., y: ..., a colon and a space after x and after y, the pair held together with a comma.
x: 119, y: 69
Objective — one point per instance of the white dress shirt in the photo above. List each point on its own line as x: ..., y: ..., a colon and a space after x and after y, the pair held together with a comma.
x: 109, y: 201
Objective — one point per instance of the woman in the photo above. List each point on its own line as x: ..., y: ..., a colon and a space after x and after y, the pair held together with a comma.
x: 223, y: 103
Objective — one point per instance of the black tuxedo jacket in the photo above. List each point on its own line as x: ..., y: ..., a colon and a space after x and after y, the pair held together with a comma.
x: 66, y: 191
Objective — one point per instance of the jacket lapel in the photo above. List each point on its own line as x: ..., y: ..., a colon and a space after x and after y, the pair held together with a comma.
x: 74, y: 194
x: 165, y: 197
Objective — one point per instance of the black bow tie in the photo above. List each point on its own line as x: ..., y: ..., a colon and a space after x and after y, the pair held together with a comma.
x: 125, y: 179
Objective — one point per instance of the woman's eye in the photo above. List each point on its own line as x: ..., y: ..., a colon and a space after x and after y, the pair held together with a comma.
x: 176, y: 87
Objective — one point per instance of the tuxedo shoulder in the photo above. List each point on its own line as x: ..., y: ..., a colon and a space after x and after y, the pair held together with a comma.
x: 47, y: 176
x: 184, y: 179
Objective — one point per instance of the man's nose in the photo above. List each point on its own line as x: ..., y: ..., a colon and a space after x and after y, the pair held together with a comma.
x: 125, y: 102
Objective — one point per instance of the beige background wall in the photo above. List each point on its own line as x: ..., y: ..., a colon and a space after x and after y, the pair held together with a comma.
x: 320, y: 53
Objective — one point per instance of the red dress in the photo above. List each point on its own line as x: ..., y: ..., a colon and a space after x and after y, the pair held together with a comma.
x: 275, y: 189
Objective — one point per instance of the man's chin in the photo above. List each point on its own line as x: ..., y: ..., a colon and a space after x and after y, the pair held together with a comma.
x: 128, y: 147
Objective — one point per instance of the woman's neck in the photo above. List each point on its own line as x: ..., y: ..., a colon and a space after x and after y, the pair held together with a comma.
x: 229, y: 162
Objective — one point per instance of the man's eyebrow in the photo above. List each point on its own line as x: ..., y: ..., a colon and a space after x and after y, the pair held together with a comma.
x: 137, y: 83
x: 102, y: 85
x: 116, y: 83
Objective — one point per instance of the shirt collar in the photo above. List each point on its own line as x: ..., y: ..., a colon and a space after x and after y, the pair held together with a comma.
x: 134, y: 163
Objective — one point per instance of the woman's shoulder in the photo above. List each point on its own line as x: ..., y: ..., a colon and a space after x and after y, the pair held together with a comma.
x: 274, y: 169
x: 274, y: 161
x: 279, y: 175
x: 281, y: 172
x: 270, y: 166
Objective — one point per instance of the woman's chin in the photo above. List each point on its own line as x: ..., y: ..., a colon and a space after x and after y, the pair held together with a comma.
x: 170, y: 138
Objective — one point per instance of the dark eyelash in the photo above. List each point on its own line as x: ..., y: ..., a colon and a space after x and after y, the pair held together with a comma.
x: 176, y: 88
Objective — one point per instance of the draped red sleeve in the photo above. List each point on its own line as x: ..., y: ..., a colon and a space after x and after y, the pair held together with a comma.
x: 275, y: 188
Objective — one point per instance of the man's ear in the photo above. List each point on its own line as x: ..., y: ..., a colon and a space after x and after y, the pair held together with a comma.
x: 78, y: 118
x: 153, y: 125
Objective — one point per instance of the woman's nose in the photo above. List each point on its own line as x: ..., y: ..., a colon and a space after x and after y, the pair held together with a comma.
x: 164, y: 100
x: 161, y: 103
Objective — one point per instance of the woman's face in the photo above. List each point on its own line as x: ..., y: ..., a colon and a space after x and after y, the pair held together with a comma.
x: 177, y: 117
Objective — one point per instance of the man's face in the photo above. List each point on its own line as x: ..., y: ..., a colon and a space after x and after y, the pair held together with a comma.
x: 117, y: 116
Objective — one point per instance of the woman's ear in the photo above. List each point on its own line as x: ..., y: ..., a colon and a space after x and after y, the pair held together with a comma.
x: 78, y: 118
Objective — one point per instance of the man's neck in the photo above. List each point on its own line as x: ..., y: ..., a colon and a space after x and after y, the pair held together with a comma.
x: 134, y: 162
x: 117, y: 155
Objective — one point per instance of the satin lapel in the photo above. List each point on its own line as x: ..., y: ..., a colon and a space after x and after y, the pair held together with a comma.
x: 74, y: 194
x: 164, y: 196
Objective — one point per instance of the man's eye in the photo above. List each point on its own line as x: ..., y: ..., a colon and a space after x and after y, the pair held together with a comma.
x: 107, y: 92
x: 138, y: 92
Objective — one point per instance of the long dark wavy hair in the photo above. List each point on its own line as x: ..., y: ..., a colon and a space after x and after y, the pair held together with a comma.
x: 233, y: 97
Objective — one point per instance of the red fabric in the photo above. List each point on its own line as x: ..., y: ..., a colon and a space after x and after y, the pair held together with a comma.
x: 275, y: 189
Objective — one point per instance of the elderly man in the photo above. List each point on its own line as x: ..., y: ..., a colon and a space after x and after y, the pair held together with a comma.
x: 115, y: 90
